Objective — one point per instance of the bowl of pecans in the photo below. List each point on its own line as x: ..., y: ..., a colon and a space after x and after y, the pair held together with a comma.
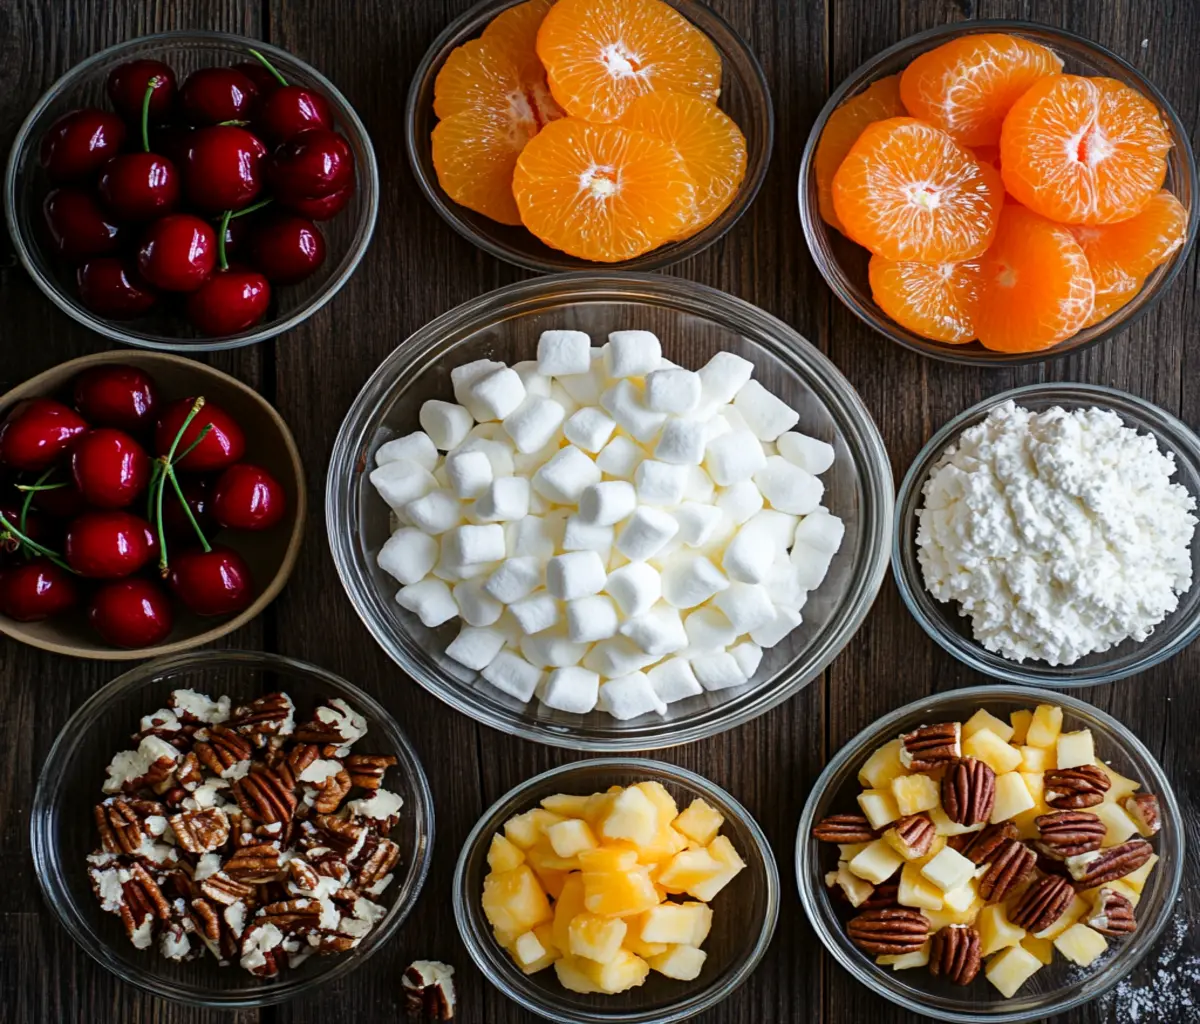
x: 230, y: 828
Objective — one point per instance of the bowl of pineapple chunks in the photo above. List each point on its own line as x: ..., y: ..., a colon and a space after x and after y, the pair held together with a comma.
x: 997, y: 853
x: 617, y: 889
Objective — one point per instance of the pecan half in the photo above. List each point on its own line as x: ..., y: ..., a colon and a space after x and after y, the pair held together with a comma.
x: 1112, y: 914
x: 253, y: 865
x: 1071, y: 789
x: 1042, y: 904
x: 120, y: 823
x: 1066, y: 834
x: 1143, y: 809
x: 884, y: 896
x: 916, y: 833
x: 955, y: 954
x: 291, y: 763
x: 189, y: 774
x: 200, y: 831
x: 143, y: 902
x: 222, y: 889
x: 332, y: 792
x: 293, y: 916
x: 367, y: 770
x: 344, y: 838
x: 1092, y: 869
x: 222, y: 750
x: 843, y: 828
x: 969, y: 791
x: 931, y: 746
x: 333, y: 725
x: 263, y: 795
x: 265, y: 717
x: 1012, y: 862
x: 890, y: 931
x: 429, y: 990
x: 208, y: 919
x: 980, y: 847
x: 379, y: 857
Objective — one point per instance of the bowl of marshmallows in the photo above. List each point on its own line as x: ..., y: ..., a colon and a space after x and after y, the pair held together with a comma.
x: 610, y: 512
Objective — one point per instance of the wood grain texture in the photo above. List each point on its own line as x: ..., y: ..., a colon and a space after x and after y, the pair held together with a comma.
x: 416, y: 269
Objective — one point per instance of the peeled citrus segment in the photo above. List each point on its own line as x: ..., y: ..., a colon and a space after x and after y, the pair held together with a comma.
x: 601, y: 191
x: 1113, y: 297
x: 935, y: 300
x: 1083, y: 150
x: 1131, y: 249
x: 966, y: 86
x: 514, y: 34
x: 476, y: 75
x: 1036, y: 289
x: 474, y: 154
x: 880, y: 100
x: 907, y: 191
x: 601, y: 55
x: 712, y: 146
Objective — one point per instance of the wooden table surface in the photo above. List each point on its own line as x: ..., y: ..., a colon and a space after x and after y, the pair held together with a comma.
x: 417, y: 268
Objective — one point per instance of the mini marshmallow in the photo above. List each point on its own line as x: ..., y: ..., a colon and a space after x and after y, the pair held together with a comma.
x: 476, y: 607
x: 765, y: 415
x: 488, y: 431
x: 534, y: 423
x: 435, y: 512
x: 591, y: 618
x: 503, y: 500
x: 465, y: 545
x: 535, y: 383
x: 624, y: 403
x: 617, y: 657
x: 718, y: 671
x: 662, y: 557
x: 674, y: 680
x: 733, y: 457
x: 441, y: 477
x: 446, y: 424
x: 749, y: 556
x: 821, y: 531
x: 635, y: 587
x: 532, y: 536
x: 528, y: 464
x: 699, y: 486
x: 416, y: 447
x: 536, y: 612
x: 563, y: 479
x: 660, y: 483
x: 811, y: 565
x: 741, y: 502
x: 806, y: 452
x: 658, y: 631
x: 788, y: 487
x: 697, y: 523
x: 717, y: 425
x: 781, y: 624
x: 785, y: 584
x: 430, y: 600
x: 645, y: 532
x: 462, y: 377
x: 468, y: 472
x: 564, y: 353
x: 779, y: 526
x: 590, y: 429
x: 409, y: 555
x: 516, y: 578
x: 552, y: 649
x: 560, y: 395
x: 474, y: 648
x: 498, y: 394
x: 672, y: 391
x: 682, y: 442
x: 509, y: 673
x: 619, y: 458
x: 585, y: 388
x: 575, y: 574
x: 499, y: 452
x: 746, y: 605
x: 401, y: 481
x: 574, y: 690
x: 631, y: 354
x: 690, y: 581
x: 629, y: 697
x: 581, y: 536
x: 748, y: 656
x: 607, y: 502
x: 708, y: 629
x: 722, y: 377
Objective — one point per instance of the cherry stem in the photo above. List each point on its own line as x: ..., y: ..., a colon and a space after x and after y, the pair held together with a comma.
x: 151, y: 85
x: 164, y: 466
x: 234, y: 124
x: 199, y: 437
x: 25, y: 505
x: 222, y: 260
x: 252, y: 208
x: 270, y: 67
x: 41, y: 487
x: 33, y: 545
x: 188, y: 509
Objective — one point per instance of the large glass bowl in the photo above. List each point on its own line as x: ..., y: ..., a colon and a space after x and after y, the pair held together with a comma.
x: 693, y: 323
x: 745, y: 97
x: 843, y: 263
x: 953, y: 632
x: 1055, y: 988
x: 25, y: 184
x: 63, y: 830
x: 744, y: 913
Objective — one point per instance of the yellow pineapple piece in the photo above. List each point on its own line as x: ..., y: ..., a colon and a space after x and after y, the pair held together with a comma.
x: 948, y: 870
x: 1119, y: 886
x: 542, y: 856
x: 1045, y: 726
x: 877, y: 863
x: 848, y: 851
x: 666, y: 843
x: 643, y: 949
x: 857, y: 890
x: 939, y: 919
x: 597, y: 807
x: 657, y: 794
x: 879, y: 806
x: 1081, y: 944
x: 1043, y: 949
x: 915, y: 891
x: 996, y: 931
x: 882, y: 766
x: 676, y: 924
x: 1025, y: 821
x: 700, y: 821
x: 572, y: 977
x: 986, y: 720
x: 531, y: 954
x: 503, y: 855
x: 915, y: 793
x: 722, y: 851
x: 566, y: 805
x: 524, y: 830
x: 1075, y: 748
x: 1036, y: 759
x: 1019, y: 720
x: 619, y: 893
x: 1136, y: 880
x: 632, y: 816
x: 1012, y: 797
x: 1120, y: 788
x: 567, y: 907
x: 943, y: 826
x: 964, y: 898
x: 1011, y: 969
x: 596, y: 938
x: 682, y: 962
x: 986, y: 746
x: 624, y: 971
x: 688, y: 868
x: 904, y: 961
x: 514, y: 901
x: 1075, y: 910
x: 570, y: 838
x: 608, y: 858
x: 1118, y: 825
x: 552, y: 881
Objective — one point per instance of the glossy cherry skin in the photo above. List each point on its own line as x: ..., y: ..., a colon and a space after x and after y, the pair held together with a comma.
x: 216, y: 582
x: 290, y: 110
x: 108, y: 544
x: 222, y: 446
x: 38, y: 432
x: 78, y: 144
x: 127, y: 84
x: 247, y: 497
x: 109, y: 467
x: 112, y: 288
x: 230, y: 301
x: 79, y: 226
x: 116, y: 395
x: 197, y: 490
x: 37, y: 528
x: 36, y: 590
x: 178, y: 253
x: 139, y: 186
x: 323, y: 208
x: 131, y: 613
x: 313, y: 164
x: 213, y: 95
x: 263, y: 80
x: 288, y: 249
x: 223, y: 168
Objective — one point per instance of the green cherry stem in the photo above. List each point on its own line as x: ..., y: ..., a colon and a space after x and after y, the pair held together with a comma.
x: 29, y: 493
x: 40, y: 487
x: 151, y: 85
x: 33, y: 545
x: 188, y: 450
x: 187, y: 509
x: 233, y: 124
x: 252, y: 208
x: 222, y: 260
x: 270, y: 67
x: 164, y: 470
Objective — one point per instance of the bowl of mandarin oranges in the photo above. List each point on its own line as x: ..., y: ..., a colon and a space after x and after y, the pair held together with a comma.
x: 998, y: 193
x: 564, y: 135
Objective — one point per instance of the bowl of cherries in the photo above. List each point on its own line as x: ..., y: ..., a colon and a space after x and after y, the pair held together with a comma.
x: 148, y: 505
x: 191, y: 191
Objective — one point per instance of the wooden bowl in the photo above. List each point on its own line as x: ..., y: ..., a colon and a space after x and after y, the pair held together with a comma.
x: 271, y: 554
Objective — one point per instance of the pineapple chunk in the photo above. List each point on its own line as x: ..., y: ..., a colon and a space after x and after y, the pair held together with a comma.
x: 1136, y: 880
x: 996, y: 931
x: 848, y: 851
x: 1026, y: 820
x: 503, y: 855
x: 571, y: 837
x: 567, y: 907
x: 948, y: 870
x: 683, y: 963
x: 1012, y: 797
x: 1118, y: 825
x: 1081, y: 944
x: 877, y: 863
x: 989, y: 748
x: 702, y: 916
x: 644, y: 949
x: 688, y: 868
x: 619, y: 893
x: 963, y: 898
x: 915, y: 793
x: 524, y: 830
x: 943, y: 826
x: 939, y: 919
x: 1036, y: 759
x: 514, y: 901
x: 701, y: 821
x: 857, y: 890
x: 572, y: 978
x: 1043, y: 949
x: 531, y: 954
x: 914, y: 891
x: 1075, y: 910
x: 632, y: 816
x: 596, y: 938
x: 608, y: 858
x: 985, y: 720
x: 597, y: 807
x: 672, y: 923
x: 1120, y: 788
x: 1020, y: 725
x: 722, y: 851
x: 1075, y: 748
x: 542, y: 857
x: 1045, y: 726
x: 624, y: 971
x: 879, y: 806
x: 882, y: 766
x: 1011, y: 969
x: 1119, y: 886
x: 657, y: 794
x: 566, y: 805
x: 552, y: 881
x: 903, y: 961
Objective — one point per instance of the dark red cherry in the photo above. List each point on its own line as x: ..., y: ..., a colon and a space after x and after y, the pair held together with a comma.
x: 127, y: 85
x: 108, y: 544
x: 213, y: 95
x: 79, y: 227
x: 61, y: 502
x: 238, y: 233
x: 109, y: 467
x: 139, y: 186
x: 131, y: 613
x: 112, y: 288
x: 287, y: 249
x: 38, y: 528
x: 116, y: 395
x: 222, y: 171
x: 315, y: 163
x: 216, y: 582
x: 322, y: 208
x: 36, y: 590
x: 230, y: 301
x: 290, y: 110
x: 197, y: 491
x: 263, y: 80
x: 178, y: 253
x: 222, y: 446
x: 78, y: 144
x: 37, y: 432
x: 247, y: 497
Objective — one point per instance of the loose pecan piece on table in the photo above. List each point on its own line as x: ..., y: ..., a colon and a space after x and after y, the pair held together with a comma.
x: 891, y: 931
x: 429, y: 990
x: 955, y: 954
x: 1072, y: 789
x: 1042, y: 904
x: 1112, y: 914
x: 1064, y: 834
x: 1099, y: 866
x: 844, y: 828
x: 931, y: 746
x: 1011, y: 863
x: 968, y: 791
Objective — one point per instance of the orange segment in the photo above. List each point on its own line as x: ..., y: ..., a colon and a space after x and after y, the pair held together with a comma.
x: 514, y: 34
x: 1083, y: 150
x: 1132, y: 248
x: 906, y: 191
x: 1036, y: 287
x: 474, y: 154
x: 934, y: 300
x: 600, y: 55
x: 1112, y: 298
x: 476, y: 75
x: 966, y: 86
x: 712, y: 147
x: 878, y: 101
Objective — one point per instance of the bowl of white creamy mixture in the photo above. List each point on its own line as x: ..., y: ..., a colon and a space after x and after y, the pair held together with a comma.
x: 1047, y: 535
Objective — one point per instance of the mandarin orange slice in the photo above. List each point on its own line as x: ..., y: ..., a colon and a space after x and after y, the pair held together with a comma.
x: 935, y: 300
x: 601, y: 55
x: 1131, y: 249
x: 1109, y: 300
x: 712, y: 146
x: 474, y: 154
x: 880, y: 100
x: 1083, y: 150
x: 602, y: 191
x: 1036, y: 289
x: 514, y: 33
x: 966, y: 86
x: 907, y: 191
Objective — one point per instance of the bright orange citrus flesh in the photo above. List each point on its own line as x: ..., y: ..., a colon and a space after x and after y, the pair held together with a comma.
x: 514, y: 33
x: 1131, y: 249
x: 601, y: 55
x: 474, y: 154
x: 966, y: 86
x: 879, y: 101
x: 907, y: 191
x: 1083, y: 150
x: 601, y: 191
x: 1119, y: 292
x: 935, y: 300
x: 1036, y: 289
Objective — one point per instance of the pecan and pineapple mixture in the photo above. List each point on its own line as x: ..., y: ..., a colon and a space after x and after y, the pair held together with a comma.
x: 241, y: 831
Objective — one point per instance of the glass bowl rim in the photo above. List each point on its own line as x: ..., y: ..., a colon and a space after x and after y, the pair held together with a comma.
x: 842, y: 402
x: 866, y: 72
x: 965, y: 649
x: 855, y: 747
x: 48, y: 868
x: 23, y: 140
x: 478, y: 834
x: 669, y: 253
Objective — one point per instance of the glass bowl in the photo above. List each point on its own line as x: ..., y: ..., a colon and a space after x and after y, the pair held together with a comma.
x: 952, y: 631
x: 744, y: 96
x: 843, y: 263
x: 1056, y: 988
x: 693, y: 323
x: 346, y: 236
x: 744, y: 913
x: 63, y: 832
